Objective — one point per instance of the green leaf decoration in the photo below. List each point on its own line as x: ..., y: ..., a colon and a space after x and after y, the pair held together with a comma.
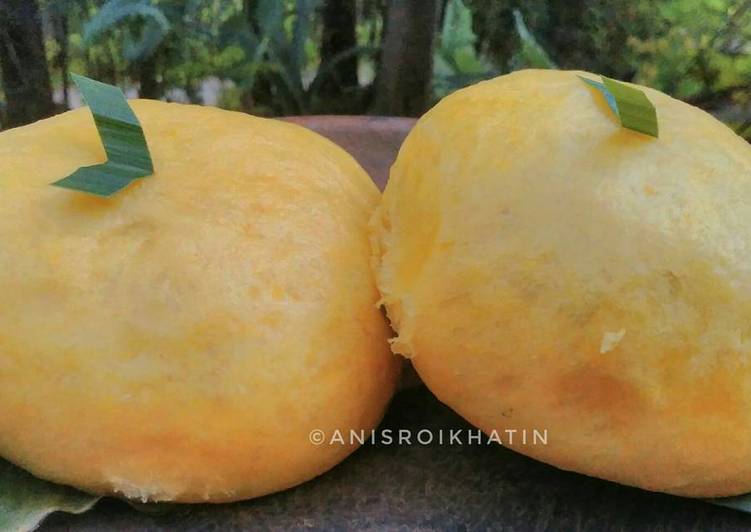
x: 26, y: 500
x: 124, y: 142
x: 629, y: 104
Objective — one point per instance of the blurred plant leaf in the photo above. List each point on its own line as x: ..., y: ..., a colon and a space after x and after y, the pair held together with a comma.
x: 301, y: 32
x: 25, y: 501
x: 457, y: 63
x: 327, y: 69
x: 270, y: 16
x: 152, y: 36
x: 62, y: 6
x: 290, y: 53
x: 284, y: 58
x: 531, y: 54
x: 739, y: 502
x: 114, y: 12
x: 457, y: 40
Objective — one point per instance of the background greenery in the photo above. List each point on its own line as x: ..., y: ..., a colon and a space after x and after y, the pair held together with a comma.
x: 282, y: 57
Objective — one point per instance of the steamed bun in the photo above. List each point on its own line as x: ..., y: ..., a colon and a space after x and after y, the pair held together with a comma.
x: 179, y: 341
x: 548, y: 269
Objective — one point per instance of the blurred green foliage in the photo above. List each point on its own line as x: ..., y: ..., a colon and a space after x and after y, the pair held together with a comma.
x: 263, y: 56
x: 457, y: 61
x: 695, y: 50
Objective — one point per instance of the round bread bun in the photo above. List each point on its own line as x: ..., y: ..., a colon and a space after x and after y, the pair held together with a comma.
x: 549, y: 270
x: 180, y: 340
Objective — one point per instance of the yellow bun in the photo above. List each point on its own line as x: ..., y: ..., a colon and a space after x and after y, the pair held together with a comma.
x: 548, y: 269
x: 180, y: 340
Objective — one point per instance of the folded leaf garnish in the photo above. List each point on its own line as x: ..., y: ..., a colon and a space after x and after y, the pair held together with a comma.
x: 629, y: 104
x: 124, y: 142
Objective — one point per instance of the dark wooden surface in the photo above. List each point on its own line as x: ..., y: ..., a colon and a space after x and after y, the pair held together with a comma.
x: 416, y: 487
x: 373, y: 140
